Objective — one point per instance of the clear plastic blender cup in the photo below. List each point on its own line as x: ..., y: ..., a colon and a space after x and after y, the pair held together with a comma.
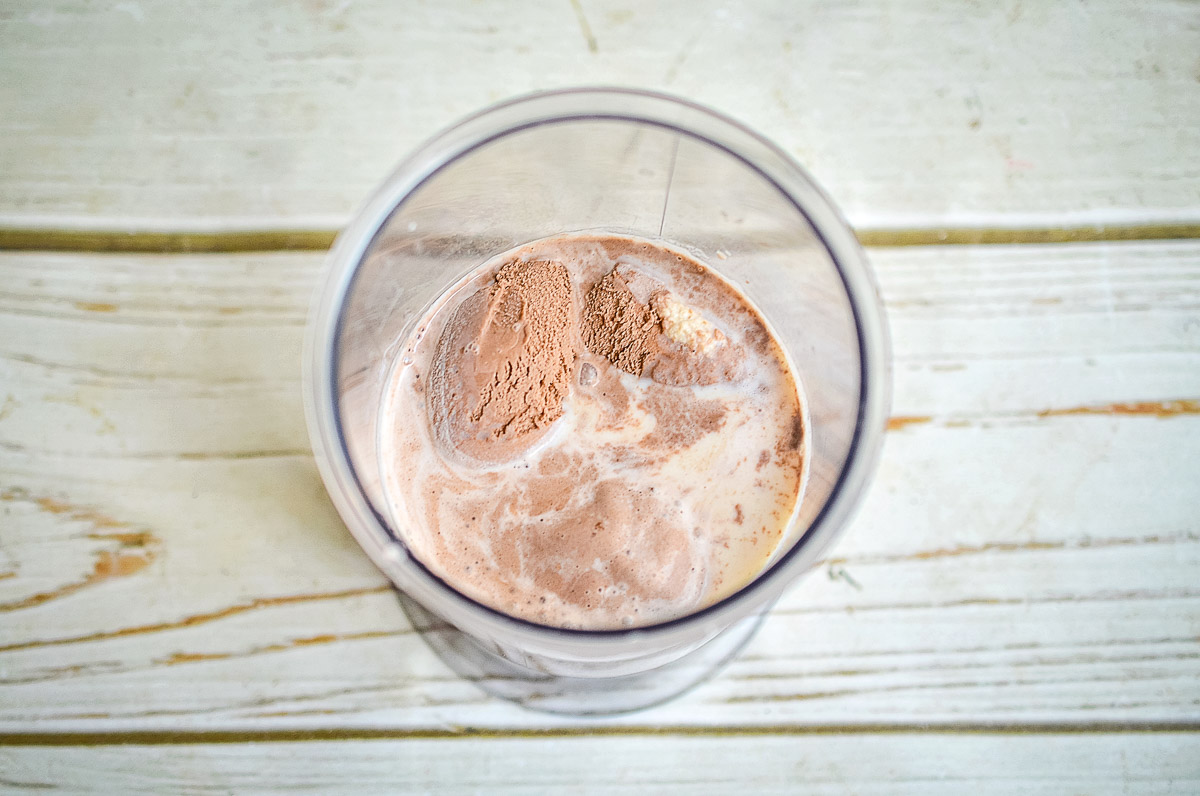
x: 623, y: 162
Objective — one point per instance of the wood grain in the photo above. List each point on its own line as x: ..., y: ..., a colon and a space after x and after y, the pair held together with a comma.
x: 169, y: 560
x: 143, y: 116
x: 819, y: 763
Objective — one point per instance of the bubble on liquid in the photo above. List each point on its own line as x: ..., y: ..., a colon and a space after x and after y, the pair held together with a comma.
x: 588, y: 375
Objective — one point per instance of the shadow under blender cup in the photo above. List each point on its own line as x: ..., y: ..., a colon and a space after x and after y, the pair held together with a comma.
x: 628, y: 163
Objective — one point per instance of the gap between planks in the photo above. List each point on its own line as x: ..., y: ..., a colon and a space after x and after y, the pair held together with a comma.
x: 34, y: 239
x: 177, y: 738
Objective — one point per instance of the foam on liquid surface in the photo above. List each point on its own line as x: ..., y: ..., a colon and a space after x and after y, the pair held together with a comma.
x: 644, y: 502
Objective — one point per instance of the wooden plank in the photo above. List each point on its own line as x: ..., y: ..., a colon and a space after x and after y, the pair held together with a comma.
x: 169, y: 560
x: 932, y: 763
x: 143, y: 115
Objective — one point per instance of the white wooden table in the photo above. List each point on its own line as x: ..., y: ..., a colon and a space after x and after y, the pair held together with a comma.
x: 1017, y: 607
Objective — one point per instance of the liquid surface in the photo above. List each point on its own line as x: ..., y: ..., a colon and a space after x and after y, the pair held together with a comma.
x: 593, y: 432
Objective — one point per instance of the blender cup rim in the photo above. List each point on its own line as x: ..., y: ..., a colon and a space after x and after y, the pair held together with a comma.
x: 656, y: 109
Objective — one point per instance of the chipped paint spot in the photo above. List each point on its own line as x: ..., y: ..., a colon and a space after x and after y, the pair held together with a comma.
x: 991, y: 547
x: 95, y: 306
x: 193, y: 657
x: 138, y: 539
x: 900, y: 421
x: 135, y: 549
x: 1185, y: 406
x: 118, y: 565
x: 328, y: 638
x: 198, y: 619
x: 323, y: 639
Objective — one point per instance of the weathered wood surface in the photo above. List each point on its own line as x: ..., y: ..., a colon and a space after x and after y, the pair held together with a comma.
x: 1017, y: 607
x: 860, y: 763
x: 169, y: 560
x: 150, y: 115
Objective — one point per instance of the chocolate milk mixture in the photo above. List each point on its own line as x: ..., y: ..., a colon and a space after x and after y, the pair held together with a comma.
x: 593, y: 432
